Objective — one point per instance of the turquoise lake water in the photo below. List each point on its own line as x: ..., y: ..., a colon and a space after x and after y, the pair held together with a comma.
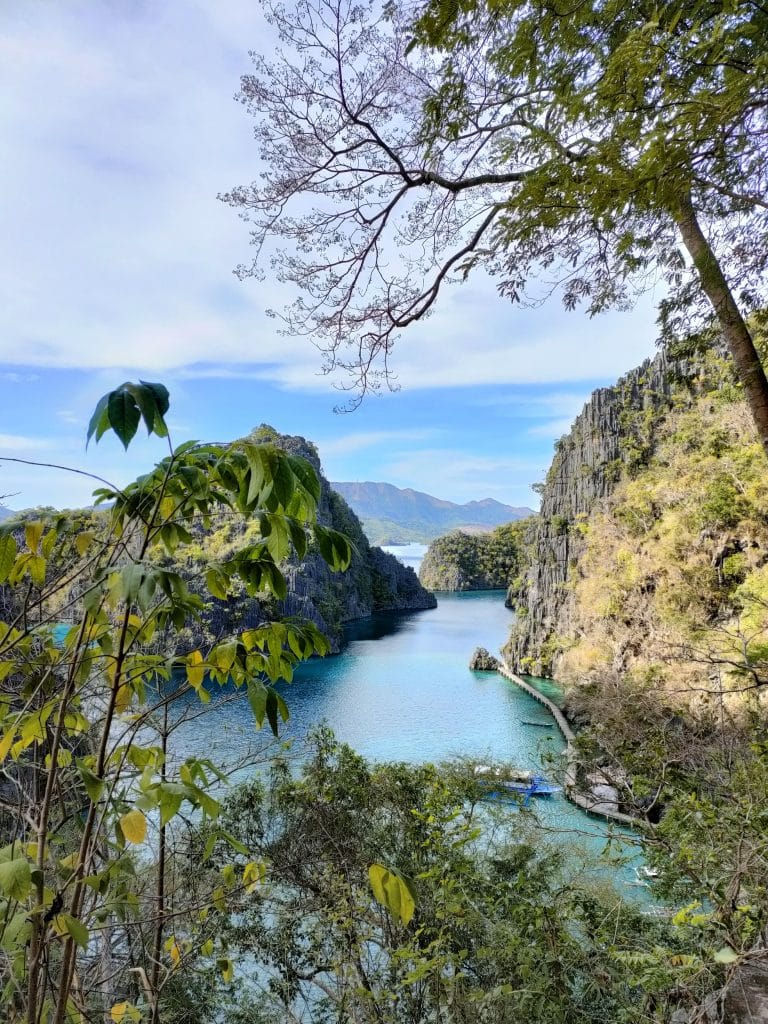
x: 401, y: 691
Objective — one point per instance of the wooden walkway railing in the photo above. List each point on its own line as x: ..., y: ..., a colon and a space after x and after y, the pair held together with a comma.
x: 585, y: 801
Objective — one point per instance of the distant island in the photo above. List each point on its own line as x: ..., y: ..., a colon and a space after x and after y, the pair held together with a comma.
x: 393, y: 515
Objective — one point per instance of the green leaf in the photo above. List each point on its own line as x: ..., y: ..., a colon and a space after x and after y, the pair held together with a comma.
x: 123, y: 414
x: 393, y: 892
x: 94, y: 786
x: 8, y: 551
x: 271, y: 709
x: 216, y: 582
x: 16, y: 878
x: 257, y: 698
x: 282, y: 480
x: 334, y: 547
x: 16, y: 932
x: 306, y: 475
x: 99, y: 421
x: 146, y: 400
x: 75, y: 928
x: 162, y: 398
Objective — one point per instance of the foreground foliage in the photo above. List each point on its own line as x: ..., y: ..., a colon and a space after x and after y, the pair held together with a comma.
x: 90, y: 673
x: 503, y: 929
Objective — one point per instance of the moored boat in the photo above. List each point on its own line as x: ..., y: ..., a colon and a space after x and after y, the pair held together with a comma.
x: 527, y: 784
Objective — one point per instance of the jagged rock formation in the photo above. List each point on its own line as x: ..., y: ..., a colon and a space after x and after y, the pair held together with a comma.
x: 483, y: 661
x: 614, y: 431
x: 375, y: 581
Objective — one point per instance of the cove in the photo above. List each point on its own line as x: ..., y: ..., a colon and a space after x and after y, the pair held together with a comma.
x: 401, y: 690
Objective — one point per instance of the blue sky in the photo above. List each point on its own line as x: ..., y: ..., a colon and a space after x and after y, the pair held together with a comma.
x: 116, y: 263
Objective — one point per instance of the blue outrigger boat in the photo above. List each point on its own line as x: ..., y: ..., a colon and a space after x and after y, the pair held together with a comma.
x: 499, y: 783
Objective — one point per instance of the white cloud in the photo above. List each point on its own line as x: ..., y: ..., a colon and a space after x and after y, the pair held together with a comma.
x: 18, y: 444
x: 118, y: 254
x: 551, y: 428
x: 361, y: 440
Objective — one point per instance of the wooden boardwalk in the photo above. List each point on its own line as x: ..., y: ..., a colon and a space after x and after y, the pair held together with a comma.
x: 585, y: 801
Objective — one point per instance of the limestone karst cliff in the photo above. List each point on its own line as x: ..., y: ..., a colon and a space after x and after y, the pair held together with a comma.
x: 375, y: 581
x: 587, y: 464
x: 652, y: 530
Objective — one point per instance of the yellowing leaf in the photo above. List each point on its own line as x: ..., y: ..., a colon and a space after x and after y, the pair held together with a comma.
x: 134, y: 826
x: 226, y: 967
x: 83, y: 542
x: 726, y: 955
x: 6, y: 743
x: 174, y: 950
x: 118, y: 1012
x: 32, y: 534
x: 167, y: 507
x: 123, y: 697
x: 195, y: 669
x: 392, y: 891
x: 253, y: 873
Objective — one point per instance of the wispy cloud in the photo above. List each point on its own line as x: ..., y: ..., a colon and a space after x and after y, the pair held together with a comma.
x: 19, y: 378
x: 18, y: 444
x: 118, y: 254
x: 361, y: 440
x: 551, y: 428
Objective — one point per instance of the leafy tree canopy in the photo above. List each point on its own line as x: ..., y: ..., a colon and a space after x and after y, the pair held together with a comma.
x: 591, y: 149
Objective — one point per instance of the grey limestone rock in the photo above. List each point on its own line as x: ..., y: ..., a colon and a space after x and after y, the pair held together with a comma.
x: 615, y: 426
x: 483, y: 661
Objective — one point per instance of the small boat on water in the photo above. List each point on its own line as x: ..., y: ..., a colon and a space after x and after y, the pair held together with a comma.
x: 539, y: 725
x: 498, y: 781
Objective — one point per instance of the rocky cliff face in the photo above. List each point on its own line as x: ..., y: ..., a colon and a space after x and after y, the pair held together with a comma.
x: 375, y: 581
x: 614, y: 431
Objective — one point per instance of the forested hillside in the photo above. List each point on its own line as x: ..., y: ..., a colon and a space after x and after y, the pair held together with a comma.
x: 375, y: 580
x: 462, y: 561
x: 394, y: 515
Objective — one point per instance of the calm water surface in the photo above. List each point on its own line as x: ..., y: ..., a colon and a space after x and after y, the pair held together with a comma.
x: 401, y: 691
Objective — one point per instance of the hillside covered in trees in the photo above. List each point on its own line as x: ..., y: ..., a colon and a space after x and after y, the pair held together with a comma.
x: 462, y: 561
x: 395, y: 515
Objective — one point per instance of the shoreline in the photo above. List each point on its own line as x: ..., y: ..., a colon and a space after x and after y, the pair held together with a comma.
x: 581, y: 800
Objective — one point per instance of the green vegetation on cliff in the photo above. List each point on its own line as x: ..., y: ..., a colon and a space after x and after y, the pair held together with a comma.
x: 375, y: 581
x: 667, y: 571
x: 462, y: 561
x: 646, y: 593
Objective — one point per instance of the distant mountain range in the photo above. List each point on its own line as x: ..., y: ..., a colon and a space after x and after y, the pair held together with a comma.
x: 391, y: 515
x: 5, y: 512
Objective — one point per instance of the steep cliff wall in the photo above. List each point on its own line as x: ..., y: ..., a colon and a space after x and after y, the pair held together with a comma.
x: 615, y: 431
x: 375, y: 580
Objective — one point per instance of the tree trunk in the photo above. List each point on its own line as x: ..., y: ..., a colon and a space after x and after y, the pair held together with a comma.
x: 749, y: 369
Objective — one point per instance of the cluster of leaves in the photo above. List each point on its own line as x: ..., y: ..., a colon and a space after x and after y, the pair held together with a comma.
x: 90, y: 673
x: 498, y: 930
